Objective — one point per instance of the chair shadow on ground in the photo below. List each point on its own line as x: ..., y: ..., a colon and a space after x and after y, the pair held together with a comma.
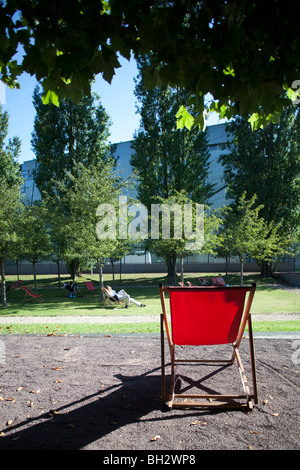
x: 83, y: 421
x: 80, y: 423
x: 185, y: 383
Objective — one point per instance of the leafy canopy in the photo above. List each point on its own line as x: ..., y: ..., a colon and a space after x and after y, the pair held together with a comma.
x: 244, y: 53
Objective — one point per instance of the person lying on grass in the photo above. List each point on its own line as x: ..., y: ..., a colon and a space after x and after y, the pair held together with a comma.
x: 72, y: 288
x: 122, y: 295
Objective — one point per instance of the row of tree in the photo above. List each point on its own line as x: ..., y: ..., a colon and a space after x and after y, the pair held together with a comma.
x: 261, y: 172
x: 76, y: 173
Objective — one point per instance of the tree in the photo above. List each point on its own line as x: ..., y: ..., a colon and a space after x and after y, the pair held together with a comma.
x: 243, y: 53
x: 64, y: 139
x: 166, y: 159
x: 172, y: 245
x: 74, y: 214
x: 55, y: 225
x: 10, y: 207
x: 120, y: 249
x: 34, y: 236
x: 246, y: 234
x: 266, y: 164
x: 182, y: 229
x: 170, y: 163
x: 66, y: 136
x: 10, y: 198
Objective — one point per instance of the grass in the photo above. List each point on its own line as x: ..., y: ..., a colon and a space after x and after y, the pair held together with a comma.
x: 143, y: 287
x: 57, y: 303
x: 121, y: 328
x: 80, y: 329
x: 268, y: 300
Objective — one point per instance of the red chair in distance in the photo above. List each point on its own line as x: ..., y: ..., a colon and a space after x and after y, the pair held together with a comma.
x: 207, y: 316
x: 16, y: 285
x: 90, y: 286
x: 30, y: 295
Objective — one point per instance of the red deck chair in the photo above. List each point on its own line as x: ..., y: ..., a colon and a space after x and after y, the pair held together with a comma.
x: 107, y: 296
x: 15, y: 285
x: 29, y: 294
x: 207, y: 316
x: 90, y: 286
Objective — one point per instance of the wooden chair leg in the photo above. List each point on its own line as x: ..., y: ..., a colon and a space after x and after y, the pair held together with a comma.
x: 162, y: 342
x: 252, y: 359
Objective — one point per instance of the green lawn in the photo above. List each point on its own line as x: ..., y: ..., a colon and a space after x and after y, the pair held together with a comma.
x: 143, y: 287
x: 272, y: 300
x: 57, y: 303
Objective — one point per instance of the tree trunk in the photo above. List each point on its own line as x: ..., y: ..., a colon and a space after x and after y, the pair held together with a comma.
x: 242, y: 272
x: 171, y: 267
x: 100, y: 278
x: 266, y: 269
x: 113, y: 271
x: 226, y: 274
x: 73, y: 268
x: 34, y: 276
x: 17, y: 265
x: 58, y: 274
x: 3, y: 288
x: 181, y: 268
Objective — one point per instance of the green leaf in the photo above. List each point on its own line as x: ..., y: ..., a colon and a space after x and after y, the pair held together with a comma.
x: 105, y: 7
x: 255, y: 121
x: 48, y: 56
x: 293, y: 95
x: 223, y: 111
x: 229, y: 71
x: 184, y: 118
x: 50, y: 98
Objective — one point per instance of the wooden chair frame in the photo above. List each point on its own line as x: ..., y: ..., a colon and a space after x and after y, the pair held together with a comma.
x: 173, y: 400
x: 111, y: 299
x: 15, y: 286
x: 30, y: 295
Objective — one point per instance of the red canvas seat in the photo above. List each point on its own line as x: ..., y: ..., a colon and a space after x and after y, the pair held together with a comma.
x: 90, y: 286
x: 207, y: 316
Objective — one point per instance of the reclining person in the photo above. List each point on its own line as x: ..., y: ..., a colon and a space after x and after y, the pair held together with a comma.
x: 220, y: 281
x: 122, y: 295
x: 72, y: 288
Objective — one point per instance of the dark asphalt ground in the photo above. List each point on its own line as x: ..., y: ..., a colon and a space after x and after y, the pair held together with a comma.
x: 103, y: 393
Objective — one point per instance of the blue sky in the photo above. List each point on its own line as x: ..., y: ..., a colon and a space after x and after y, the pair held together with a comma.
x: 118, y: 99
